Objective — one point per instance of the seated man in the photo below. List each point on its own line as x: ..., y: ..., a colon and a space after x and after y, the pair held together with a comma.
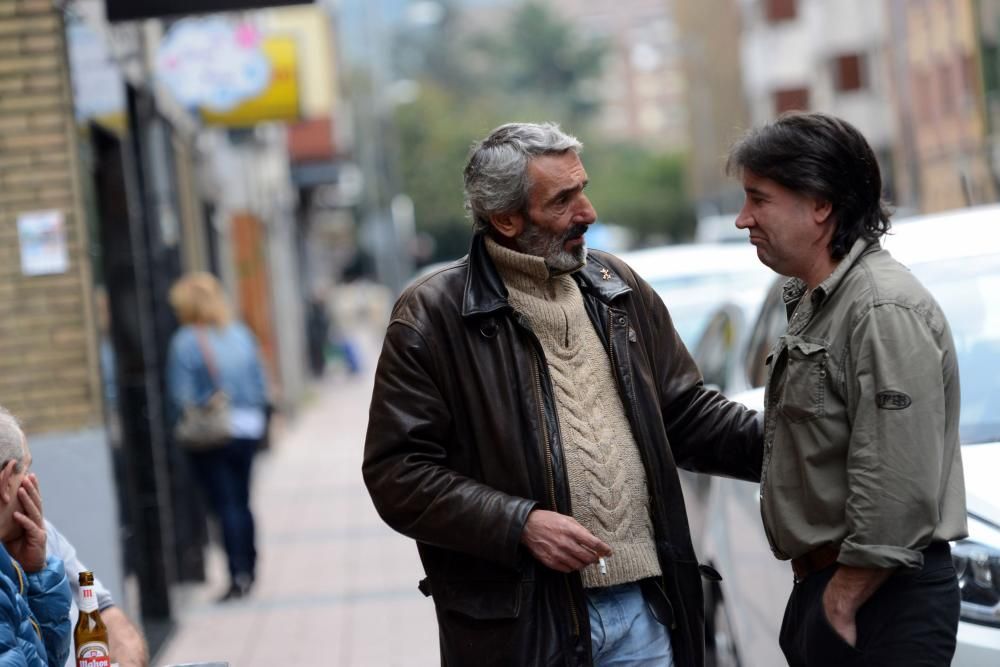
x: 34, y: 594
x: 128, y: 646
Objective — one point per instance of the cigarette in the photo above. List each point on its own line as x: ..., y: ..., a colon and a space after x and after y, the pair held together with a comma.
x: 602, y: 565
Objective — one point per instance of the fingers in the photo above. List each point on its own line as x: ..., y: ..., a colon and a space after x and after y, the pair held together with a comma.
x: 592, y: 543
x: 29, y: 507
x: 33, y: 530
x: 560, y: 542
x: 31, y: 498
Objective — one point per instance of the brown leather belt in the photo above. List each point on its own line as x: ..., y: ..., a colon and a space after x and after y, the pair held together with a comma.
x: 814, y: 561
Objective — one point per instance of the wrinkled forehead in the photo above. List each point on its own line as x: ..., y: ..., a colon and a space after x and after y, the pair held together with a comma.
x: 551, y: 173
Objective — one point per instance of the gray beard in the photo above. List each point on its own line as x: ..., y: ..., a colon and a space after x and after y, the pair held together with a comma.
x: 541, y: 243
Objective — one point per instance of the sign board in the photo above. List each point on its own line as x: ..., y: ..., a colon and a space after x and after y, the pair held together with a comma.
x: 130, y: 10
x: 98, y: 86
x: 42, y: 236
x: 278, y: 102
x: 212, y: 63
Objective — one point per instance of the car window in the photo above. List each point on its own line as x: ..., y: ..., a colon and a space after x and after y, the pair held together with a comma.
x: 770, y: 324
x: 967, y: 290
x: 691, y: 299
x: 714, y: 353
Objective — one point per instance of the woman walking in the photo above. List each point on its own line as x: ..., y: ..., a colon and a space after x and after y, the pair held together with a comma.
x: 214, y: 361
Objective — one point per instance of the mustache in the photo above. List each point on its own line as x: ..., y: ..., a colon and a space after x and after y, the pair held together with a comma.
x: 574, y: 232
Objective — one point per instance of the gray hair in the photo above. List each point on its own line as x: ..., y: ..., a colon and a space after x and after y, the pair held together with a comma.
x: 496, y: 175
x: 11, y: 440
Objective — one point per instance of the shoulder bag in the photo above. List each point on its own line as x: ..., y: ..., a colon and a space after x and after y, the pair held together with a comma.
x: 205, y: 426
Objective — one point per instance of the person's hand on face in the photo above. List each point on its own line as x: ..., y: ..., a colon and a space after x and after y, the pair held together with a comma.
x: 28, y: 547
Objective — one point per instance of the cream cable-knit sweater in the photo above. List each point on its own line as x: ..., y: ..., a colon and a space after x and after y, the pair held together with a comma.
x: 607, y: 480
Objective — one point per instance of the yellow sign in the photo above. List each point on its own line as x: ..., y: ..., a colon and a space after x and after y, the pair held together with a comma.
x: 279, y: 102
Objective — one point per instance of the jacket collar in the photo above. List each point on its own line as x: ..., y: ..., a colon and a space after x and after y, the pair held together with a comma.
x: 485, y: 292
x: 795, y: 288
x: 484, y: 289
x: 598, y: 278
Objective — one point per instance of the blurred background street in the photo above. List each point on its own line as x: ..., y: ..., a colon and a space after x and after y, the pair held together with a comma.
x: 308, y: 154
x: 335, y: 585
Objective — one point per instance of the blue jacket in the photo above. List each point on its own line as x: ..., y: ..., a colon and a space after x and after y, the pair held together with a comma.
x: 237, y: 363
x: 34, y: 614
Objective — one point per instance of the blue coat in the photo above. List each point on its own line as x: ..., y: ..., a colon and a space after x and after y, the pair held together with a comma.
x: 34, y: 614
x: 237, y: 361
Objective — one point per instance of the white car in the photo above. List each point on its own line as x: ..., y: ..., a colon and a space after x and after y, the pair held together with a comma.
x: 693, y: 279
x: 957, y: 257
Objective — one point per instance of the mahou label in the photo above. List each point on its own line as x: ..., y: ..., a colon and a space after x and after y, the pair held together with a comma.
x: 93, y: 654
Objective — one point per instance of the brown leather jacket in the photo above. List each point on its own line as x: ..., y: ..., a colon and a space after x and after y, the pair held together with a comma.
x: 463, y: 442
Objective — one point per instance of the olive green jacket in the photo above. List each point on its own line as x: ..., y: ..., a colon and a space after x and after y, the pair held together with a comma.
x: 861, y: 419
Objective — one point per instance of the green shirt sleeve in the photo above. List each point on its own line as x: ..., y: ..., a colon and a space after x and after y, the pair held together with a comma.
x: 895, y: 472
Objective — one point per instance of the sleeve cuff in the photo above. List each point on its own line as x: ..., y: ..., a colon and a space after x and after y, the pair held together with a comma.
x: 881, y: 556
x: 520, y: 518
x: 48, y: 578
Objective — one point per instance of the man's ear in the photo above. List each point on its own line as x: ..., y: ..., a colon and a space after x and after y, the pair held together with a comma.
x: 508, y: 225
x: 822, y: 210
x: 7, y: 493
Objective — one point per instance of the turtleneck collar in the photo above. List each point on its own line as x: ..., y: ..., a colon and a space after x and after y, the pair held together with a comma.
x: 514, y: 263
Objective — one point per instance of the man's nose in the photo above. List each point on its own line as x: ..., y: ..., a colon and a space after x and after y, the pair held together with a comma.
x: 587, y: 214
x: 744, y: 220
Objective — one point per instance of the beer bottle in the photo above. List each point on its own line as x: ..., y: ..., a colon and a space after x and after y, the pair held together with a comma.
x: 90, y: 637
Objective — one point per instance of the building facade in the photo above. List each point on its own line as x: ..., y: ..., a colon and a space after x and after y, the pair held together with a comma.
x: 944, y: 62
x: 711, y: 34
x: 822, y: 55
x: 642, y: 93
x: 109, y: 191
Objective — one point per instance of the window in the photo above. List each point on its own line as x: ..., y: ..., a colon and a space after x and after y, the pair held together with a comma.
x: 946, y: 88
x: 791, y: 99
x: 970, y: 81
x: 781, y: 10
x: 849, y: 72
x: 923, y: 96
x: 715, y: 351
x: 771, y: 323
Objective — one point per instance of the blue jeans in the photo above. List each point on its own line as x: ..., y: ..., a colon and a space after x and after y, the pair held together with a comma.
x: 224, y: 474
x: 623, y: 630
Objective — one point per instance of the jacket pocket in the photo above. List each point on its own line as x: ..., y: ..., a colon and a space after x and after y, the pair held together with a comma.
x: 805, y: 379
x: 479, y: 600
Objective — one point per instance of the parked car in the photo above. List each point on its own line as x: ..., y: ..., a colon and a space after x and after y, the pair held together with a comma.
x: 957, y: 257
x: 695, y: 278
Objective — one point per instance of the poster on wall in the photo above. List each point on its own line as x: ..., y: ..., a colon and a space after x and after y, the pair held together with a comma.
x: 42, y: 236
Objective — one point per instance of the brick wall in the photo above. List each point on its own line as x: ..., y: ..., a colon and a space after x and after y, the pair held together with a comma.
x: 48, y: 374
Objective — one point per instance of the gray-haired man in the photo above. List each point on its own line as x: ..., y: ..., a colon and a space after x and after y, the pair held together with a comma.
x: 34, y: 594
x: 531, y: 404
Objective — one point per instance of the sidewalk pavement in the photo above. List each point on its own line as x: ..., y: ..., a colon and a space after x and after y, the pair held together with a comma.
x: 335, y: 585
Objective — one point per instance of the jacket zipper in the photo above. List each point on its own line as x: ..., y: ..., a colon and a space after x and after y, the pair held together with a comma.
x: 549, y: 472
x: 627, y: 401
x: 551, y: 478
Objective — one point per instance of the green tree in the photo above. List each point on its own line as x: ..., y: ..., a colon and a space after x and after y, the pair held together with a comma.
x: 541, y: 56
x: 435, y: 133
x: 537, y: 69
x: 640, y: 189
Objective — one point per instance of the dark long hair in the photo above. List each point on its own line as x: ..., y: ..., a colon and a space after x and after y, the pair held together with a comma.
x: 826, y: 158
